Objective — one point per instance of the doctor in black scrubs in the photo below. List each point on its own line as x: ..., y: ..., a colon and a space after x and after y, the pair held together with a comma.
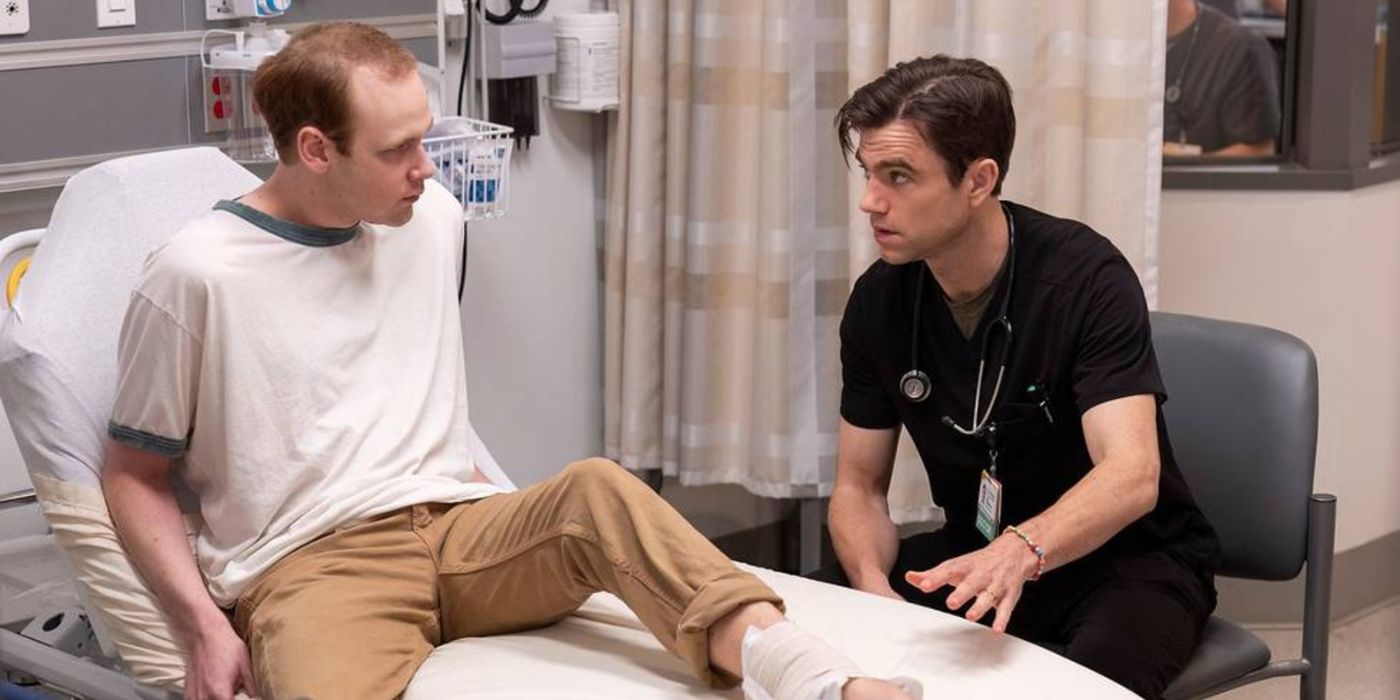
x: 1014, y: 347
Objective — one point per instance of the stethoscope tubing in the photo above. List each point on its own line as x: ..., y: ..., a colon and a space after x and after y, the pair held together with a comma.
x: 920, y: 382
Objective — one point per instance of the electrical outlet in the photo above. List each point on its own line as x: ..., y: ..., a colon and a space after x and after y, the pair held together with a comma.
x: 220, y: 99
x: 115, y: 13
x: 14, y: 17
x: 218, y: 9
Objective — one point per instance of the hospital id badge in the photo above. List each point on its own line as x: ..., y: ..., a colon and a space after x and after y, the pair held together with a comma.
x: 989, y: 506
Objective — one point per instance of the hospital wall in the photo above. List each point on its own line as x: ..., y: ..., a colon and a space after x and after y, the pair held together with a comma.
x: 1324, y: 266
x: 531, y: 311
x: 77, y: 93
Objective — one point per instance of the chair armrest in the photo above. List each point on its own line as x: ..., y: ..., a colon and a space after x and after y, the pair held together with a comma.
x: 17, y: 499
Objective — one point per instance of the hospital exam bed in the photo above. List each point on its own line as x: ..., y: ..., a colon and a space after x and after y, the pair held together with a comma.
x: 65, y: 631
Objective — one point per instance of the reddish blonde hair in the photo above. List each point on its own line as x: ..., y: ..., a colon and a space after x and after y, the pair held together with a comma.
x: 307, y: 83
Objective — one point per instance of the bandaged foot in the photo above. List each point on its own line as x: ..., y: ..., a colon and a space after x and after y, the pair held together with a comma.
x: 783, y: 662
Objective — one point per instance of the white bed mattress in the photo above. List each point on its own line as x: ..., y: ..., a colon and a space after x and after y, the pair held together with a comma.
x: 604, y: 652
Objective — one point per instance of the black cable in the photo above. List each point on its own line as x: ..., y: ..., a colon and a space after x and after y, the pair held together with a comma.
x: 534, y: 11
x: 462, y: 271
x: 466, y: 59
x: 508, y: 17
x: 516, y: 11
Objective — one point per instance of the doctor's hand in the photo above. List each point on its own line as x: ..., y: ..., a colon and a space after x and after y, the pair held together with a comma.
x: 992, y: 576
x: 218, y: 664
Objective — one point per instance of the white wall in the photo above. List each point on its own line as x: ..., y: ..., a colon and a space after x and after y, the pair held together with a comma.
x: 531, y: 313
x: 1324, y: 266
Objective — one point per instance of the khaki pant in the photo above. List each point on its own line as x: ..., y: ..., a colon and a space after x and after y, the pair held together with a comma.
x: 353, y: 614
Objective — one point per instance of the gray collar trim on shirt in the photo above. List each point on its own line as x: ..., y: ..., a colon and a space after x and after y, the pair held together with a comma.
x: 296, y: 233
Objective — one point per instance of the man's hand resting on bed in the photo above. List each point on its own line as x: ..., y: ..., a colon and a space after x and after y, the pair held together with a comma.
x: 218, y: 665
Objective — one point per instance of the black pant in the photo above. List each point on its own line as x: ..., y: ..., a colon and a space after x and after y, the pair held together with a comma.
x: 1134, y: 618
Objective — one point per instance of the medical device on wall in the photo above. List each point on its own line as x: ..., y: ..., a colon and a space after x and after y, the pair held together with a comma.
x: 514, y: 55
x: 503, y: 56
x: 228, y: 105
x: 228, y: 89
x: 244, y: 9
x: 589, y: 61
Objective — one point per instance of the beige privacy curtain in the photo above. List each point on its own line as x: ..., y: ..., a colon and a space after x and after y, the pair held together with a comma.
x: 732, y: 235
x: 725, y: 243
x: 1087, y: 81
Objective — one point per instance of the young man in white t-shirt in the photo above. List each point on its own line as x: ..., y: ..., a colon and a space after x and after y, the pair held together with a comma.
x: 298, y: 354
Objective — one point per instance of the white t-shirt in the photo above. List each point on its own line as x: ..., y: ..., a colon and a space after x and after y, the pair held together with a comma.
x: 309, y: 378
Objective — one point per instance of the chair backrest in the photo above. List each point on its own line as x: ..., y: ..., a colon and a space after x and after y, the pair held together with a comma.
x: 58, y: 345
x: 1242, y: 419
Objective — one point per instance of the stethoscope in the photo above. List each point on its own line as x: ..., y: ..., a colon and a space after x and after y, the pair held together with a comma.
x: 916, y: 386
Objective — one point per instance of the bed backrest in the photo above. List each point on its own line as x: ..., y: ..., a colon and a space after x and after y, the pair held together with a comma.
x: 58, y: 345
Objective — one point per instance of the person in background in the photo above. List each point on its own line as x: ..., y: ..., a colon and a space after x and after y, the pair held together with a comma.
x: 1222, y: 95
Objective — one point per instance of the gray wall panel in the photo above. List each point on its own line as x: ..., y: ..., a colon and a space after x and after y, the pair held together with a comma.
x: 317, y: 10
x: 77, y: 19
x: 102, y: 108
x: 425, y: 49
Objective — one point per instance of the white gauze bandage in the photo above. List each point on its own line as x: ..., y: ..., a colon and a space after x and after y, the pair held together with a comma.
x: 783, y: 662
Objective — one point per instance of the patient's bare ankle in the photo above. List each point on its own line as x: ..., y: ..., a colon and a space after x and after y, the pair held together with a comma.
x: 872, y: 689
x: 727, y: 633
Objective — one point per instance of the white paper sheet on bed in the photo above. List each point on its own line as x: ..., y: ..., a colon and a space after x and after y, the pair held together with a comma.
x: 603, y: 651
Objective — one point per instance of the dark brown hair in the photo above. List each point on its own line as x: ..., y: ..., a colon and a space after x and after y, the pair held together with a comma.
x: 307, y: 83
x: 961, y: 107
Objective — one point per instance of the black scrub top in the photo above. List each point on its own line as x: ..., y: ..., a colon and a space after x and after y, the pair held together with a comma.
x: 1081, y: 338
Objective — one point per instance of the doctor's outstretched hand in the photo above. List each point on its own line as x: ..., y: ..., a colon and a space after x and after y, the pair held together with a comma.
x: 991, y: 576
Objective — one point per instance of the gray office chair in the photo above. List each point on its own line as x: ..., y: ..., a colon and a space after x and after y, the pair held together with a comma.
x: 1242, y: 418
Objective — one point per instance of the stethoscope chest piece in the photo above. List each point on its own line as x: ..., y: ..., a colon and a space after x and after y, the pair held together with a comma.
x: 915, y: 385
